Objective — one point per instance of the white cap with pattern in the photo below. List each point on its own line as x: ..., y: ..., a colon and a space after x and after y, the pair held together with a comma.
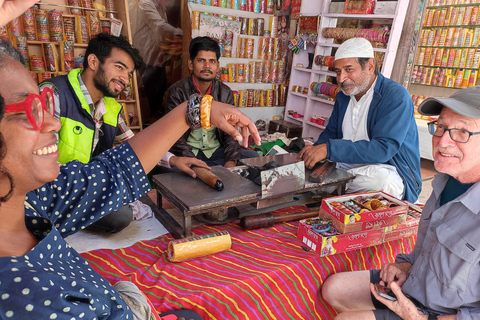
x: 355, y: 48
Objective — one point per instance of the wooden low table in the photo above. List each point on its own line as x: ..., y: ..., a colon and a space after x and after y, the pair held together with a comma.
x: 192, y: 196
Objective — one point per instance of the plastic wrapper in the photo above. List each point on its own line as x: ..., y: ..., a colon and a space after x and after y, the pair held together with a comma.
x: 260, y: 67
x: 227, y: 51
x: 250, y: 6
x: 247, y: 72
x: 198, y: 246
x: 81, y: 29
x: 75, y: 3
x: 242, y: 48
x: 50, y: 56
x: 252, y: 27
x: 272, y: 26
x: 270, y: 98
x: 269, y: 6
x: 88, y: 4
x: 93, y: 21
x: 69, y: 28
x: 79, y: 61
x: 240, y: 72
x: 267, y: 71
x: 257, y: 98
x: 243, y: 5
x: 253, y: 71
x: 22, y: 47
x: 28, y: 18
x: 224, y: 74
x: 16, y: 27
x: 41, y: 23
x: 42, y: 76
x: 470, y: 54
x: 271, y: 48
x: 100, y: 5
x: 68, y: 56
x: 111, y: 7
x: 232, y: 72
x: 244, y: 26
x: 242, y: 98
x: 474, y: 17
x: 195, y: 19
x: 37, y: 64
x: 55, y: 25
x: 250, y: 46
x: 263, y: 48
x: 260, y: 26
x: 105, y: 26
x: 250, y: 97
x: 127, y: 93
x: 235, y: 4
x: 274, y: 73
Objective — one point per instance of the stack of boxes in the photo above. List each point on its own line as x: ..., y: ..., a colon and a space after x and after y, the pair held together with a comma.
x: 357, y: 221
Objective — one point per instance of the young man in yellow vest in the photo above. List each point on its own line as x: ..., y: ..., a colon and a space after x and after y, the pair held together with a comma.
x: 90, y: 116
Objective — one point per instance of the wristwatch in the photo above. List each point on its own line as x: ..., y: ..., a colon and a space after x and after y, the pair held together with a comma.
x: 432, y: 317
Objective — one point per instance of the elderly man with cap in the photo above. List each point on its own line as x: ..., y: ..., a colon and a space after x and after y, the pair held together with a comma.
x: 372, y: 132
x: 440, y: 279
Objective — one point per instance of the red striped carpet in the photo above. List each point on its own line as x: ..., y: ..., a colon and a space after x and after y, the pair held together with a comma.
x: 265, y: 275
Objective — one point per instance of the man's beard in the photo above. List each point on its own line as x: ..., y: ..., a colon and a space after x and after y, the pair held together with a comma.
x: 362, y: 86
x: 101, y: 83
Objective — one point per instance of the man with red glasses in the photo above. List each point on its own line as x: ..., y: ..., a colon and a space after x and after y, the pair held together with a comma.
x: 90, y: 115
x: 440, y: 278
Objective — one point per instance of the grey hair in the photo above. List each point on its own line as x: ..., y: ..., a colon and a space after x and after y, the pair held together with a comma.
x: 8, y: 51
x: 363, y: 63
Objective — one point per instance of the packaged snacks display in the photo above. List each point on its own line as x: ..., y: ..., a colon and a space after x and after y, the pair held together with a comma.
x: 41, y: 23
x: 21, y: 44
x: 75, y: 3
x: 16, y: 28
x: 66, y: 51
x: 69, y: 28
x: 93, y: 22
x: 28, y: 18
x: 50, y: 56
x: 100, y: 6
x: 81, y: 29
x: 37, y: 64
x: 55, y: 25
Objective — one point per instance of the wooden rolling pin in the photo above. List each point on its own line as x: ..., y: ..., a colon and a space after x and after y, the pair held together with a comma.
x: 208, y: 177
x: 268, y: 219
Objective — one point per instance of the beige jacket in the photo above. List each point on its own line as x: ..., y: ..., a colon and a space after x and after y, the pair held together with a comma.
x: 151, y: 28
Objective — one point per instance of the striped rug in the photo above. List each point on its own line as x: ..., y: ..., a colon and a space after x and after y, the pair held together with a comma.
x: 265, y: 275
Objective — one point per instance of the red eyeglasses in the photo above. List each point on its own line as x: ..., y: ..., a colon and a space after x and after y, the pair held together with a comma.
x: 35, y: 106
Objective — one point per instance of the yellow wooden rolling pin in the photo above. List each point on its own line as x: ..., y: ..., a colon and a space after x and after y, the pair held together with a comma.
x: 198, y: 246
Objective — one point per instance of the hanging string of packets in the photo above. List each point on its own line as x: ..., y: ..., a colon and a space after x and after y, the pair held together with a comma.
x: 329, y: 90
x: 373, y: 35
x: 299, y: 43
x: 324, y: 61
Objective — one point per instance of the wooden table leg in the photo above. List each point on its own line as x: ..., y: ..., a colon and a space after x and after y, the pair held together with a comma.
x: 176, y: 230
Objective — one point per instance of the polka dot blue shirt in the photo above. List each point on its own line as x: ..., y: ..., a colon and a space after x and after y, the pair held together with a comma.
x: 52, y: 281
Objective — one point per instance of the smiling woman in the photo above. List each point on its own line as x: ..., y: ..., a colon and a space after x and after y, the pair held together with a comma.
x: 41, y: 276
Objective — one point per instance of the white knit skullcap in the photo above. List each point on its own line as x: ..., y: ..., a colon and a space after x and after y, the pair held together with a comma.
x: 355, y: 48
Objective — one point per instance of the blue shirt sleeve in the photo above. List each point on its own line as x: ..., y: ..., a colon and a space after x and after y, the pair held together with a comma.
x: 84, y: 193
